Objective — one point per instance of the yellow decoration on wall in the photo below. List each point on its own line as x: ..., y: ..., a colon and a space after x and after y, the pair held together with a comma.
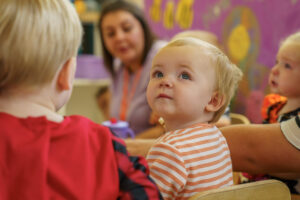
x: 184, y: 13
x: 80, y: 6
x: 169, y: 15
x: 155, y: 10
x: 239, y: 43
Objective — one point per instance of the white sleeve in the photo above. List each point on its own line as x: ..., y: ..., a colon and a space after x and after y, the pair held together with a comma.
x: 291, y: 130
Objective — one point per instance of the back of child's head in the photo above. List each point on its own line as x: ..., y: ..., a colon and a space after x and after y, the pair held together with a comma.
x: 37, y: 37
x: 228, y: 74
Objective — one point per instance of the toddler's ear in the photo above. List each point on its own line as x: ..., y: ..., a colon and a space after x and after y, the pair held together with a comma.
x: 66, y: 75
x: 216, y: 102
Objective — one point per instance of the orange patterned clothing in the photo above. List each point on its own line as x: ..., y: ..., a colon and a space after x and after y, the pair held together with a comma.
x: 272, y: 104
x: 187, y: 161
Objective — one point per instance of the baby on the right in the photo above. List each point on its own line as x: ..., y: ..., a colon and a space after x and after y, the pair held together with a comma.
x: 284, y: 101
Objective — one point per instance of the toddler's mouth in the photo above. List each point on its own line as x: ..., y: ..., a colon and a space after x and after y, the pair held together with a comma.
x: 164, y: 96
x: 274, y: 84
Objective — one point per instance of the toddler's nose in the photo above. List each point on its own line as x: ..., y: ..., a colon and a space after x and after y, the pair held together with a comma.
x: 275, y: 70
x: 166, y: 82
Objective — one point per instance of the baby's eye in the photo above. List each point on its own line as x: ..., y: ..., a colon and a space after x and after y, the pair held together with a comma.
x: 157, y: 74
x: 185, y: 76
x: 287, y: 66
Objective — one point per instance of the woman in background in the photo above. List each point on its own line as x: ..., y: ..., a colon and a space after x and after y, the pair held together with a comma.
x: 128, y: 46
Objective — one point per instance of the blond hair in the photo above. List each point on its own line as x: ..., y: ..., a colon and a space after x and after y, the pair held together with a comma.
x: 201, y: 35
x: 293, y: 38
x: 37, y: 37
x: 228, y: 74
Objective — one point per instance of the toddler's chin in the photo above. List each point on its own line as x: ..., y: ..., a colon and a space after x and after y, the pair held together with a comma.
x: 274, y: 90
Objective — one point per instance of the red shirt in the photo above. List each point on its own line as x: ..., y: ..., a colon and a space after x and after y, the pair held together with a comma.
x: 74, y: 159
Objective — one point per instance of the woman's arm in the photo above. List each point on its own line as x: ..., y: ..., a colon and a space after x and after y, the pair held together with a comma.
x: 261, y: 149
x: 253, y: 148
x: 289, y: 176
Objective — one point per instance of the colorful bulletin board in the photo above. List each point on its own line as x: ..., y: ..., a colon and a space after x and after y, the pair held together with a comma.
x: 250, y: 31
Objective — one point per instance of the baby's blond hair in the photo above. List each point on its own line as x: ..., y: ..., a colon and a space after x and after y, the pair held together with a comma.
x: 228, y: 74
x: 293, y: 38
x: 36, y: 38
x: 200, y: 34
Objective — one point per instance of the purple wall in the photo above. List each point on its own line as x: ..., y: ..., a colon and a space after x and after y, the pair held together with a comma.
x: 250, y: 31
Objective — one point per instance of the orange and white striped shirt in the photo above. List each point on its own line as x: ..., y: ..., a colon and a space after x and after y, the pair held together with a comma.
x: 187, y: 161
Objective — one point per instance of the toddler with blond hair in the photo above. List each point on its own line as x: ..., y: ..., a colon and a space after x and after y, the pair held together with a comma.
x: 191, y: 84
x: 284, y: 101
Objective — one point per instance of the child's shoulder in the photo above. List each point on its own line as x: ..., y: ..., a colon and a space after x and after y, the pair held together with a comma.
x: 85, y: 125
x: 197, y: 131
x: 75, y: 125
x: 81, y: 121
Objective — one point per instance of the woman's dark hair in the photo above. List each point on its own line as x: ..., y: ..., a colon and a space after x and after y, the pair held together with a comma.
x: 112, y: 6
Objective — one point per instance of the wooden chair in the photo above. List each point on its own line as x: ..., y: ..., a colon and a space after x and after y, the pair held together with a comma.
x: 260, y: 190
x: 239, y: 119
x: 295, y: 196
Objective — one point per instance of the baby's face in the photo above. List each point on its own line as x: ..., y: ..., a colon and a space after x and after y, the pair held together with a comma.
x: 285, y: 75
x: 181, y: 83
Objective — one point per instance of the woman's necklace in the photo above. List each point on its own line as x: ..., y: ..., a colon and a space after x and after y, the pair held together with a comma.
x: 128, y: 93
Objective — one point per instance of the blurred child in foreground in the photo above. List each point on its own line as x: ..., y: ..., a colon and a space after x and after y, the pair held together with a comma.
x: 44, y: 155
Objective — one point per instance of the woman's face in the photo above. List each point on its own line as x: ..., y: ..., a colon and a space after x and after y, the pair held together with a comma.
x: 123, y: 36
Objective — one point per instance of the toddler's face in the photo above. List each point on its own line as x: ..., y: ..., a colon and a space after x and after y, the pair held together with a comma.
x: 181, y: 83
x: 285, y: 75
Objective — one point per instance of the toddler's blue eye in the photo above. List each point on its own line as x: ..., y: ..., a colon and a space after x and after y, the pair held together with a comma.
x: 185, y: 76
x: 158, y: 74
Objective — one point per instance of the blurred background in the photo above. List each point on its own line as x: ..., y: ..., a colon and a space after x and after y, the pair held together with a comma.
x: 249, y: 30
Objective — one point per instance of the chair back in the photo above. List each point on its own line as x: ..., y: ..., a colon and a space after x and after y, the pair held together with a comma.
x: 260, y: 190
x: 239, y: 119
